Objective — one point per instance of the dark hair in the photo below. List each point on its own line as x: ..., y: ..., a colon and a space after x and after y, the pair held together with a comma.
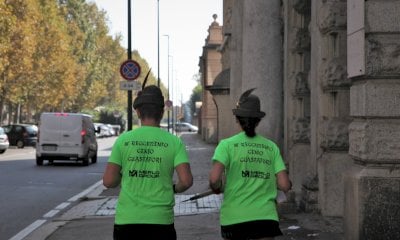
x: 248, y: 125
x: 151, y: 111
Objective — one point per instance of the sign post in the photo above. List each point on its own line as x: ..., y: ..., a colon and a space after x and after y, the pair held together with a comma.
x: 129, y: 50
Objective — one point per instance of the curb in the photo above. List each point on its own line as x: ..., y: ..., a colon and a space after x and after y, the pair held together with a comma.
x: 47, y: 224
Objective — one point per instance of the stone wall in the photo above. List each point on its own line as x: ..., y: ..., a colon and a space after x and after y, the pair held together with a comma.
x: 372, y: 194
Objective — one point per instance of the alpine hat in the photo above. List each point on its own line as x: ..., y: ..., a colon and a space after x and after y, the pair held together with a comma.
x: 149, y: 95
x: 248, y: 106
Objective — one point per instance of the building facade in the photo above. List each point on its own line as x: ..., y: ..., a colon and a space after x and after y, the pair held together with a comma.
x: 328, y: 76
x: 210, y: 67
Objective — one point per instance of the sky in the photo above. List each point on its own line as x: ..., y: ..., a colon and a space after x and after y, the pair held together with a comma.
x: 185, y: 22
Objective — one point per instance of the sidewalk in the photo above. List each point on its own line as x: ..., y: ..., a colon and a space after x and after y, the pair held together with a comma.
x: 92, y: 217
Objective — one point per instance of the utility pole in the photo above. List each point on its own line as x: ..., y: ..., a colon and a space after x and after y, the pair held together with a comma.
x: 158, y: 42
x: 168, y: 117
x: 129, y: 108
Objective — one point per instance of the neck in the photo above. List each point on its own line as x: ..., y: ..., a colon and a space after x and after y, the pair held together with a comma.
x: 150, y: 122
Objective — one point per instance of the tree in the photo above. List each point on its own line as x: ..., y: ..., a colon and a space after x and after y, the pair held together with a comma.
x: 17, y: 64
x: 195, y: 97
x: 55, y: 67
x: 7, y: 27
x: 58, y: 55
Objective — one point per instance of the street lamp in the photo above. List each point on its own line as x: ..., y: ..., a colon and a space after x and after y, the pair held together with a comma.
x: 168, y: 118
x: 172, y: 92
x: 158, y: 43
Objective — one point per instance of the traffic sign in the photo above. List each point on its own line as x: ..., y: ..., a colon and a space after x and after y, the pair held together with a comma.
x: 130, y: 70
x: 168, y: 104
x: 129, y: 85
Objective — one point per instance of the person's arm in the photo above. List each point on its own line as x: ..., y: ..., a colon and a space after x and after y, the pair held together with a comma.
x: 216, y: 175
x: 185, y: 178
x: 283, y: 181
x: 112, y: 175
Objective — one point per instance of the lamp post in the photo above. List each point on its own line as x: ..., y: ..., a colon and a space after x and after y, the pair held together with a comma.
x: 168, y: 118
x: 158, y: 43
x: 172, y: 93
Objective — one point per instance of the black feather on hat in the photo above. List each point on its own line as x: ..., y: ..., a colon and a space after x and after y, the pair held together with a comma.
x: 149, y: 95
x: 248, y: 106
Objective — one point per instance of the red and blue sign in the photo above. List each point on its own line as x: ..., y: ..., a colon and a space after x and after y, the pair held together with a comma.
x: 130, y: 70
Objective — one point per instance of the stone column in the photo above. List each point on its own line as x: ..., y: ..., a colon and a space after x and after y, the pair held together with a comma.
x: 262, y: 61
x: 297, y: 48
x: 235, y: 48
x: 333, y: 88
x: 372, y: 193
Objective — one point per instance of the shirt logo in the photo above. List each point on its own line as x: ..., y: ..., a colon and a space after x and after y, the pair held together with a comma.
x: 144, y: 173
x: 255, y: 174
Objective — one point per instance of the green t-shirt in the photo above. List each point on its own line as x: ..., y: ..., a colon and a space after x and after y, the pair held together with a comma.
x: 250, y: 168
x: 148, y: 157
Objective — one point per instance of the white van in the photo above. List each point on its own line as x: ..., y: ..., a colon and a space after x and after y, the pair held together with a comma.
x: 66, y: 136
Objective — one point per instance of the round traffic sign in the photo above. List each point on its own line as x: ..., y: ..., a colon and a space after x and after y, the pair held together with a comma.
x: 130, y: 70
x: 168, y: 103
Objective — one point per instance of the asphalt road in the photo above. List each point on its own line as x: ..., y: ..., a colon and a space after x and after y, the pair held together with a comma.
x: 27, y: 191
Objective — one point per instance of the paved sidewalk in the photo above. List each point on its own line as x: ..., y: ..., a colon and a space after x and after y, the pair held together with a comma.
x: 92, y: 217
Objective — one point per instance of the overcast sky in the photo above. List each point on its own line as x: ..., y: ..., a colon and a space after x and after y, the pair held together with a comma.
x: 185, y: 21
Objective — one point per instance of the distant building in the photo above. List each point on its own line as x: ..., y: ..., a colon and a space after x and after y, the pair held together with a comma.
x: 210, y: 66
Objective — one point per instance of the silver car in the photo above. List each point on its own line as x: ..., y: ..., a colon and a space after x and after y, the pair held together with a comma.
x: 4, y: 144
x: 185, y: 127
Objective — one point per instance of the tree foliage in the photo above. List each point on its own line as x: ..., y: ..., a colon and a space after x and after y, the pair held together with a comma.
x: 195, y: 97
x: 59, y: 56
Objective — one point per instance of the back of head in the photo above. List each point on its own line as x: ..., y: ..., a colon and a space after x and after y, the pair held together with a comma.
x: 248, y: 112
x: 150, y: 102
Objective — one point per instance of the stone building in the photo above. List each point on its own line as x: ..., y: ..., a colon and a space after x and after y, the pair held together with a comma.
x: 210, y: 66
x: 328, y: 76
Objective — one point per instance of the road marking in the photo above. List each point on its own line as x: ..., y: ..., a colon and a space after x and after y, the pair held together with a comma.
x: 36, y: 224
x: 196, y: 148
x: 82, y: 194
x: 51, y: 213
x: 21, y: 235
x: 62, y: 205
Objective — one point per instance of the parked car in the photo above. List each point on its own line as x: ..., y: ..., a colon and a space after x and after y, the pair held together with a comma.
x: 3, y: 141
x: 104, y: 130
x: 66, y: 136
x: 185, y: 127
x: 101, y: 130
x: 111, y: 130
x: 21, y: 135
x: 164, y: 125
x: 117, y: 129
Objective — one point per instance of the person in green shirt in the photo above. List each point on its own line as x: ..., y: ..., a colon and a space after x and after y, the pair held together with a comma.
x: 249, y: 169
x: 143, y: 162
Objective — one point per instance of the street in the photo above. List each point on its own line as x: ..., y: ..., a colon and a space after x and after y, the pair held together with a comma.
x: 28, y: 192
x: 92, y: 217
